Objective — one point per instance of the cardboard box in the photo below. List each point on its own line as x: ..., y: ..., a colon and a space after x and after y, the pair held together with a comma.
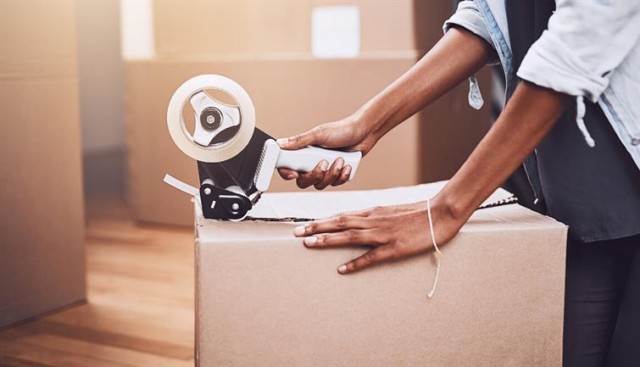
x: 37, y: 41
x: 282, y: 27
x: 263, y: 299
x: 290, y: 96
x: 42, y: 265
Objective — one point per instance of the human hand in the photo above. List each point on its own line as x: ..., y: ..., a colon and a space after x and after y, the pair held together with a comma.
x: 395, y: 232
x: 348, y: 134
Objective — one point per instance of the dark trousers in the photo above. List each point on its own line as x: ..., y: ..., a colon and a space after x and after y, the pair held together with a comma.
x: 602, y: 304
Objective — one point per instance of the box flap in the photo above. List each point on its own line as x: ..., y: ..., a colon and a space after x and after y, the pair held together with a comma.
x: 325, y: 204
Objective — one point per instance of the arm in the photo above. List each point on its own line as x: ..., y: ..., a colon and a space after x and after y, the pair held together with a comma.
x: 523, y: 124
x: 457, y: 55
x: 454, y: 58
x: 401, y: 231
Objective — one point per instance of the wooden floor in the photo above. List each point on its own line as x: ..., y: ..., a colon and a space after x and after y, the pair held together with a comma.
x: 140, y: 303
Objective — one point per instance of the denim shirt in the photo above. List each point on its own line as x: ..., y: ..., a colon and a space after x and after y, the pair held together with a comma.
x: 590, y: 50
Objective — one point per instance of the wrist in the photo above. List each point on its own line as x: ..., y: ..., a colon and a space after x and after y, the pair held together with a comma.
x: 372, y: 118
x: 452, y: 207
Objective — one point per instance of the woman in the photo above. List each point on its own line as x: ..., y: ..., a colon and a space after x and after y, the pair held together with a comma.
x: 575, y: 101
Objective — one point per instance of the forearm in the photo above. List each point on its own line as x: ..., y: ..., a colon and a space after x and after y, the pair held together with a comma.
x: 527, y: 118
x: 454, y: 58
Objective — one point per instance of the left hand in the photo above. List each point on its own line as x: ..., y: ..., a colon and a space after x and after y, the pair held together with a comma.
x: 395, y: 232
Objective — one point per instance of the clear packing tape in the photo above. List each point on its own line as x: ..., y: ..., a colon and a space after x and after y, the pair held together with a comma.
x: 185, y: 141
x: 265, y: 212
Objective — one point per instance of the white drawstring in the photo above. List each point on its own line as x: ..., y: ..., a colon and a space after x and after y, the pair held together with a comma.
x: 475, y: 96
x: 437, y: 253
x: 580, y: 112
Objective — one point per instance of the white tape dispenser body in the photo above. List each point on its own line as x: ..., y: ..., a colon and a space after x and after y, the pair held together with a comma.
x: 236, y: 160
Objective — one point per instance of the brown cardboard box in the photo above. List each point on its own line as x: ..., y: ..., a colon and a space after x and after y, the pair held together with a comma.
x: 275, y: 26
x: 37, y: 41
x: 289, y: 95
x: 263, y: 299
x: 42, y: 264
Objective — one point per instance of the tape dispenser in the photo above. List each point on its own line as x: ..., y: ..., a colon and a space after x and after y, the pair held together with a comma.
x: 212, y: 119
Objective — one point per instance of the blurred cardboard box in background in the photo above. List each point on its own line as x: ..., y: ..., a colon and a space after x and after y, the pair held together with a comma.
x: 268, y: 47
x: 42, y: 263
x: 279, y: 27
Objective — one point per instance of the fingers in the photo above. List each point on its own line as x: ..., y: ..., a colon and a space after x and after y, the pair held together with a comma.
x: 288, y: 174
x: 335, y: 224
x: 351, y: 237
x: 300, y: 141
x: 395, y: 232
x: 307, y: 179
x: 344, y: 176
x: 372, y: 257
x: 321, y: 176
x: 333, y: 174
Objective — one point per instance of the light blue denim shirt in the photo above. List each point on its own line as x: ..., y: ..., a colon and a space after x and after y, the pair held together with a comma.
x: 590, y: 50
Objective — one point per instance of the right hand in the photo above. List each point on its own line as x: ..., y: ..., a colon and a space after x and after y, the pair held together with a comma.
x: 347, y: 134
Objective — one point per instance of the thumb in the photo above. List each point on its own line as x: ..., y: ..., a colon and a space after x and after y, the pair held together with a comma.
x: 299, y: 141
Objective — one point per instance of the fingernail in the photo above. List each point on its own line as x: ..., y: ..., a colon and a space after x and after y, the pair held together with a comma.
x: 339, y: 163
x: 324, y: 165
x: 298, y: 231
x: 282, y: 141
x: 347, y: 170
x: 310, y: 241
x: 342, y: 269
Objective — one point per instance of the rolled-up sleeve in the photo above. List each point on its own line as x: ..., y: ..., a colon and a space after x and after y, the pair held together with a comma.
x: 467, y: 16
x: 584, y: 43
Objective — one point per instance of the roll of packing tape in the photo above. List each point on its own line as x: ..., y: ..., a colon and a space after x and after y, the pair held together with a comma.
x: 183, y: 139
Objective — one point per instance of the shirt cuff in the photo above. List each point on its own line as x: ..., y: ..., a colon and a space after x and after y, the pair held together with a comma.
x: 468, y: 17
x: 550, y: 63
